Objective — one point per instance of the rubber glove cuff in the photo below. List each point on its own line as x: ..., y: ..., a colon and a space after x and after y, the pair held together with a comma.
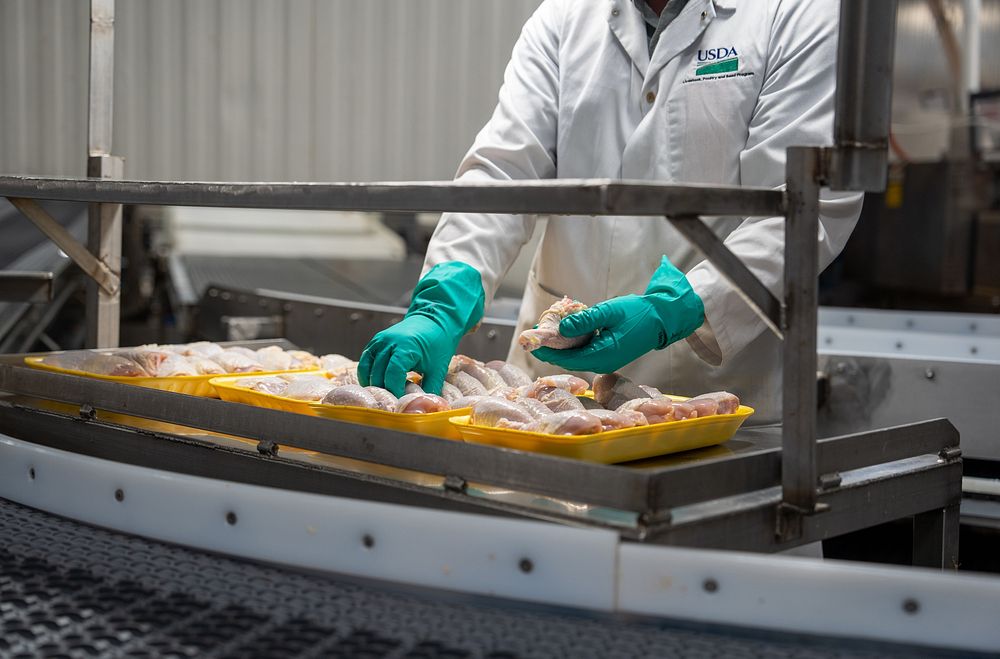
x: 680, y: 309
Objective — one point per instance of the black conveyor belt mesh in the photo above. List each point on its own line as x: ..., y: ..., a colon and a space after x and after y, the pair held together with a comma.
x: 71, y: 590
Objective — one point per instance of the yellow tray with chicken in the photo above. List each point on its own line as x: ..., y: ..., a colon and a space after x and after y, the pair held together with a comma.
x: 192, y: 385
x: 612, y: 446
x: 226, y: 388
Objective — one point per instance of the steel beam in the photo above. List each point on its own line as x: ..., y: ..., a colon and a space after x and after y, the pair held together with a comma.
x: 552, y: 197
x: 935, y: 538
x: 17, y: 286
x: 863, y: 100
x: 104, y: 237
x: 748, y: 286
x: 798, y: 462
x: 101, y: 79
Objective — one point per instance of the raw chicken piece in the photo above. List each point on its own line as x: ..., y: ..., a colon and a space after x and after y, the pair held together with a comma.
x: 726, y: 403
x: 309, y: 388
x: 265, y: 385
x: 656, y: 410
x: 612, y: 390
x: 302, y: 359
x: 557, y: 400
x: 148, y: 360
x: 468, y: 385
x: 352, y: 395
x: 236, y: 362
x: 98, y: 364
x: 252, y: 354
x: 413, y: 388
x: 611, y: 420
x: 173, y: 365
x: 421, y: 404
x: 347, y: 374
x: 205, y: 366
x: 384, y: 397
x: 332, y: 361
x: 450, y: 392
x: 684, y: 410
x: 652, y: 391
x: 535, y: 407
x: 490, y: 378
x: 201, y: 348
x: 273, y: 358
x: 466, y: 401
x: 573, y: 422
x: 570, y: 383
x: 512, y: 375
x: 547, y: 333
x: 492, y: 411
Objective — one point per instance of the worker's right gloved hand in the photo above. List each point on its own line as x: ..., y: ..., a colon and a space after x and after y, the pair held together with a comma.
x: 447, y: 302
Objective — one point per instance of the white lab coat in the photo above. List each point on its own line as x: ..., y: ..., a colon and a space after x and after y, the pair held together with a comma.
x: 582, y: 98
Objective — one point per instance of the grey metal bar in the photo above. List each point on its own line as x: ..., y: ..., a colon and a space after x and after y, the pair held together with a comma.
x: 748, y: 285
x: 553, y: 197
x: 87, y: 262
x: 690, y: 483
x: 935, y: 538
x: 17, y: 286
x: 864, y: 95
x: 620, y: 488
x: 104, y: 238
x: 798, y: 461
x: 902, y: 489
x: 102, y: 67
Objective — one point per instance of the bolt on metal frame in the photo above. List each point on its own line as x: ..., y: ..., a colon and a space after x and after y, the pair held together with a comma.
x: 856, y: 162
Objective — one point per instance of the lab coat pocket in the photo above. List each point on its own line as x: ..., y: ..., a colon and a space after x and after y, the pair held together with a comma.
x: 708, y: 124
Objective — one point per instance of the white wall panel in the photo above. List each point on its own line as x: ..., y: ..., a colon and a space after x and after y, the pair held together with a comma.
x: 258, y: 89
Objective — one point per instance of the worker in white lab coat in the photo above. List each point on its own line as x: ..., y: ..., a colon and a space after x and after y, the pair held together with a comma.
x: 696, y: 91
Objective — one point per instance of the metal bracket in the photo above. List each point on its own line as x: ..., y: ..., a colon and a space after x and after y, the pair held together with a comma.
x: 951, y: 453
x: 90, y: 264
x: 18, y: 286
x: 455, y: 484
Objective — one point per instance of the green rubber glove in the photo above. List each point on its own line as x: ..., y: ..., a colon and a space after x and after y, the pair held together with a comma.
x: 447, y: 303
x: 630, y: 326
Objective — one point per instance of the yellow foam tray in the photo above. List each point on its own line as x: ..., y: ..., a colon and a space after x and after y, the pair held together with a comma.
x: 613, y: 446
x: 435, y: 423
x: 225, y: 387
x: 192, y: 385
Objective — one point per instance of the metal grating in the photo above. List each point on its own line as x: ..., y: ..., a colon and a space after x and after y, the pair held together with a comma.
x: 70, y: 590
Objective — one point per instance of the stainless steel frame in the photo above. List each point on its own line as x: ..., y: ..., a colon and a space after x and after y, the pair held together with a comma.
x: 917, y: 484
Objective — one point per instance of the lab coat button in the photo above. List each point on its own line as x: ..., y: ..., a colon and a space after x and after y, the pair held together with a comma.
x: 614, y: 12
x: 650, y: 97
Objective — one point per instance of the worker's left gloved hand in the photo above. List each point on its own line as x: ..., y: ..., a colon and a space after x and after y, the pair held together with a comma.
x: 630, y: 326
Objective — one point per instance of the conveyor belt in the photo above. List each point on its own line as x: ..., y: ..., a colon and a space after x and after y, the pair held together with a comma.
x: 70, y: 590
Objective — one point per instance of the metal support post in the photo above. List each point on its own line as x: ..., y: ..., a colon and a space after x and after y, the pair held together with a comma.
x: 104, y: 228
x: 935, y: 538
x: 863, y: 99
x: 798, y: 442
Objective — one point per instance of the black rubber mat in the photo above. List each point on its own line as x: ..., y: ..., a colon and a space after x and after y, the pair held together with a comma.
x: 71, y: 590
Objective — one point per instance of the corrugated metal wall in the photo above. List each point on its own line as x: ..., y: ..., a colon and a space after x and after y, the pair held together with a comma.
x: 259, y: 89
x: 320, y: 89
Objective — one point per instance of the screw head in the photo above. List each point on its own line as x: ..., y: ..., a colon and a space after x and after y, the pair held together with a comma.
x: 231, y: 518
x: 491, y: 335
x: 119, y: 494
x: 929, y: 374
x: 911, y: 606
x: 526, y: 565
x: 710, y: 585
x: 368, y: 541
x: 31, y: 473
x: 318, y: 312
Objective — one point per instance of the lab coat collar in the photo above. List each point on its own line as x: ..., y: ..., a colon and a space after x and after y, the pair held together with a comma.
x: 681, y: 33
x: 627, y: 24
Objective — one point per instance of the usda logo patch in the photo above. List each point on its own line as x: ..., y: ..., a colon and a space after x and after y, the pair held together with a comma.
x: 717, y: 60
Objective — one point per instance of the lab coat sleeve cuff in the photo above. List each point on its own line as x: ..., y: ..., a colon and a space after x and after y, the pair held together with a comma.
x: 709, y: 341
